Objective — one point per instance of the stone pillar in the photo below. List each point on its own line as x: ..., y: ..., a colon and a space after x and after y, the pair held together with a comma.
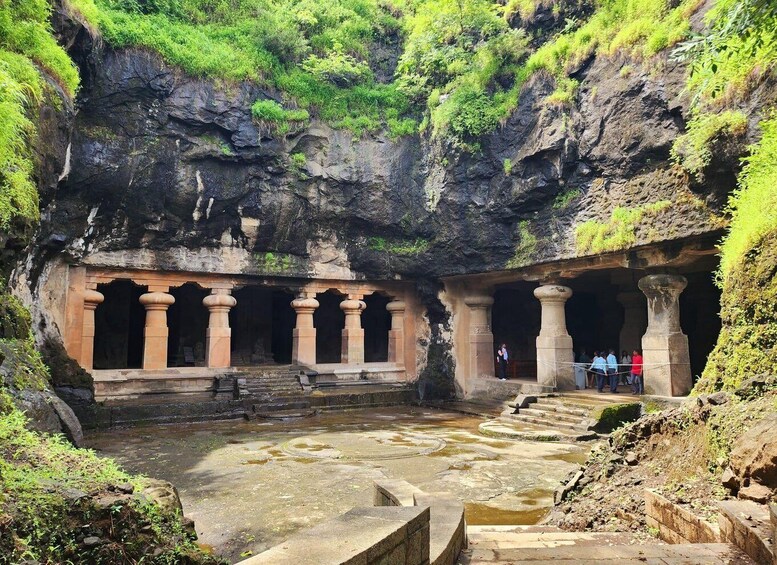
x: 353, y: 333
x: 554, y: 345
x: 218, y: 338
x: 155, y: 333
x: 396, y: 338
x: 303, y: 348
x: 482, y: 355
x: 634, y: 320
x: 665, y: 347
x: 91, y: 300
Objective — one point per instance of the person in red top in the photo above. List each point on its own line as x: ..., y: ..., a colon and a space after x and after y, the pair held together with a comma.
x: 637, y: 384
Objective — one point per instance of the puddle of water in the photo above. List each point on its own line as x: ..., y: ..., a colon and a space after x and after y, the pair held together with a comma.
x: 478, y: 514
x: 569, y: 457
x: 256, y: 462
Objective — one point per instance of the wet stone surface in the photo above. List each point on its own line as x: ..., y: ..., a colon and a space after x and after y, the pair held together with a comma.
x: 249, y: 485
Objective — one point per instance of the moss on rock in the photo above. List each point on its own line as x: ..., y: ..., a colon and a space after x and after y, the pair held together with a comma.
x: 747, y: 344
x: 615, y: 415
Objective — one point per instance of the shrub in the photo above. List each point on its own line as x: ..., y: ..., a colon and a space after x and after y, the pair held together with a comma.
x: 693, y: 150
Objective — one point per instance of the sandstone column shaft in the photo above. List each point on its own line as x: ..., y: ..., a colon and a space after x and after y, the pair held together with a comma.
x: 396, y: 341
x: 667, y: 361
x: 481, y: 341
x: 634, y: 320
x: 303, y: 348
x: 92, y: 299
x: 554, y: 344
x: 353, y: 334
x: 155, y: 333
x: 218, y: 338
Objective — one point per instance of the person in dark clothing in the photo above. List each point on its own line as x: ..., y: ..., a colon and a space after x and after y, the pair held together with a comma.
x: 502, y: 357
x: 585, y: 360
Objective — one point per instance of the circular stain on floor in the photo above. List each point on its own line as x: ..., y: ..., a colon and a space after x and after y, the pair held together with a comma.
x: 363, y: 445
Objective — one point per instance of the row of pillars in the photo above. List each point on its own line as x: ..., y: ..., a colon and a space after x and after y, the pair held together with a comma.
x: 219, y: 334
x: 303, y: 349
x: 667, y: 369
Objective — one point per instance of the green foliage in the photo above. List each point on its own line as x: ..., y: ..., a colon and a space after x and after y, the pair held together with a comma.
x: 15, y: 321
x: 566, y: 198
x: 25, y: 368
x: 316, y: 53
x: 47, y: 504
x: 272, y: 113
x: 507, y: 165
x: 26, y: 45
x: 399, y: 246
x: 736, y: 51
x: 527, y: 245
x: 615, y: 415
x: 693, y: 150
x: 753, y: 204
x: 619, y: 232
x: 747, y: 344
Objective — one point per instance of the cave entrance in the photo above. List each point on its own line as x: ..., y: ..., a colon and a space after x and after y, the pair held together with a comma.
x: 376, y: 321
x: 329, y: 321
x: 700, y: 318
x: 594, y: 316
x: 262, y: 322
x: 515, y: 321
x: 119, y: 322
x: 187, y: 322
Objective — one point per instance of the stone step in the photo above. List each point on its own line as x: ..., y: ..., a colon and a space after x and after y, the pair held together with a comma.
x: 286, y: 414
x: 512, y: 429
x: 560, y: 409
x: 514, y: 537
x: 543, y: 421
x: 569, y: 552
x: 552, y: 416
x: 278, y: 406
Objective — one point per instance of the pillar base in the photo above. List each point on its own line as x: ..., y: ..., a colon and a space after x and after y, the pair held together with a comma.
x: 554, y: 362
x: 303, y: 349
x: 667, y: 364
x: 353, y: 346
x: 219, y: 341
x: 396, y: 346
x: 155, y: 348
x: 482, y: 355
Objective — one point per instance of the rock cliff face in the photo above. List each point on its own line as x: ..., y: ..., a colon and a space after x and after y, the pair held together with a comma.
x: 167, y: 171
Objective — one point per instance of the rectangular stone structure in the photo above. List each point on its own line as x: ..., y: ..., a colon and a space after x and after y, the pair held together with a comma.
x: 397, y: 535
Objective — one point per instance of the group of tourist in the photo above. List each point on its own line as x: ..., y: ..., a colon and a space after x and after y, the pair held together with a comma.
x: 605, y: 369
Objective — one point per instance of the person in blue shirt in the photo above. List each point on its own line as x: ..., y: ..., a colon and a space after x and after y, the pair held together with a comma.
x: 612, y: 371
x: 599, y: 368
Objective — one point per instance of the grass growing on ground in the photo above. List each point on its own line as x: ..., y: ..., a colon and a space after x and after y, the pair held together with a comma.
x: 619, y: 232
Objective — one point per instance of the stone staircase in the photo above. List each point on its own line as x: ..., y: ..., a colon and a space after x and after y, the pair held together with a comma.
x: 519, y: 545
x: 274, y: 393
x: 568, y: 416
x: 268, y: 383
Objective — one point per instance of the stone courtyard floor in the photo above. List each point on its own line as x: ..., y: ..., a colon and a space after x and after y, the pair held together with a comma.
x: 249, y: 485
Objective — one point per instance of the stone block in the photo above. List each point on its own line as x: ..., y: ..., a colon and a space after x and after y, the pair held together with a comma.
x: 667, y: 364
x: 676, y: 524
x: 447, y: 529
x: 361, y: 536
x: 748, y: 526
